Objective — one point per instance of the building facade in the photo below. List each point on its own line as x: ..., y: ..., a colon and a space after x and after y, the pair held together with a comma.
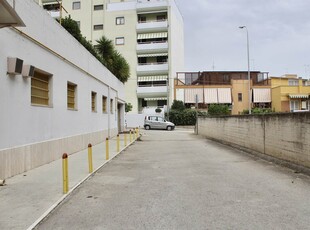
x: 223, y: 87
x: 290, y: 93
x: 55, y: 97
x: 148, y: 33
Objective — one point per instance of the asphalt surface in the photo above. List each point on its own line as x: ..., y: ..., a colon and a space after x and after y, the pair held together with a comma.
x: 177, y: 180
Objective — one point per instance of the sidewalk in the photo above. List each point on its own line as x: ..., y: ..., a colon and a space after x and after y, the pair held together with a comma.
x: 30, y: 196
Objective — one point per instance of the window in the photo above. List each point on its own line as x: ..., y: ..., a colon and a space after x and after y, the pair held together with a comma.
x: 162, y: 59
x: 141, y: 19
x: 161, y: 17
x: 76, y: 5
x: 93, y: 101
x: 71, y: 95
x: 104, y: 104
x: 294, y: 105
x: 98, y: 7
x: 40, y: 89
x: 293, y: 82
x: 111, y: 106
x: 98, y: 27
x: 120, y: 21
x: 120, y: 41
x: 239, y: 96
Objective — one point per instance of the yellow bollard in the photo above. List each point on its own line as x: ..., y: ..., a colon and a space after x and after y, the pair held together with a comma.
x: 90, y: 158
x: 117, y: 143
x: 107, y: 149
x: 125, y: 139
x: 130, y: 135
x: 136, y: 133
x: 65, y: 173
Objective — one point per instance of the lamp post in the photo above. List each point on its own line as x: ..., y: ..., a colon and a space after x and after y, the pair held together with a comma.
x: 249, y: 77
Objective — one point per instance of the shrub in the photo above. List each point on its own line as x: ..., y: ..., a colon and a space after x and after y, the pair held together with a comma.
x: 217, y: 109
x: 177, y: 105
x: 158, y: 110
x: 184, y: 117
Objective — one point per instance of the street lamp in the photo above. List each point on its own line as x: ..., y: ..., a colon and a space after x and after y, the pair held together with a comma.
x: 249, y: 78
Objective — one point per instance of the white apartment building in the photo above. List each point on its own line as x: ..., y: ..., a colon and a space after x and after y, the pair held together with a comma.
x: 148, y: 33
x: 55, y: 97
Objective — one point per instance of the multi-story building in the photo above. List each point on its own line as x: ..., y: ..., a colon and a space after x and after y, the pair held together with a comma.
x: 290, y: 93
x: 223, y: 87
x: 148, y: 33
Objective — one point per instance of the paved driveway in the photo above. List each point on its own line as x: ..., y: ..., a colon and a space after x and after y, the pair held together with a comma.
x: 176, y: 180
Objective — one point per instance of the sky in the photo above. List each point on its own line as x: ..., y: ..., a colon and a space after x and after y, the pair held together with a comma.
x: 279, y: 35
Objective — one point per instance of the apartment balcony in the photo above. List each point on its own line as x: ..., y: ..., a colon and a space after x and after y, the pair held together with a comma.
x: 152, y: 26
x: 54, y: 14
x: 155, y: 68
x: 152, y: 91
x: 152, y: 47
x: 152, y: 5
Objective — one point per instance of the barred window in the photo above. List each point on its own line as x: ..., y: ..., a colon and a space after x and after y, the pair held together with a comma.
x: 71, y: 95
x: 104, y: 104
x: 40, y: 89
x: 111, y: 106
x: 93, y: 101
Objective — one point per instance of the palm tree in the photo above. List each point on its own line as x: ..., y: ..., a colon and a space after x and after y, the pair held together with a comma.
x: 112, y: 59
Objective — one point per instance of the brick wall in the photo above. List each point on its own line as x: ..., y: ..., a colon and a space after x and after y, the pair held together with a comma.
x: 284, y: 136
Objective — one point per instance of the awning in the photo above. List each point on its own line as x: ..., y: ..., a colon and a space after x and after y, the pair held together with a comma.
x: 190, y: 95
x: 211, y: 96
x: 155, y: 98
x: 153, y: 35
x: 153, y: 78
x: 299, y: 95
x: 224, y: 95
x: 261, y: 95
x: 153, y: 55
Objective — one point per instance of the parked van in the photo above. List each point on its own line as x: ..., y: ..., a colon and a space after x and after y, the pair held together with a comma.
x: 157, y: 122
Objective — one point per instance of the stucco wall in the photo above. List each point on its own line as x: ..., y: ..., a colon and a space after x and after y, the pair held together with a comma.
x: 34, y: 135
x: 284, y: 136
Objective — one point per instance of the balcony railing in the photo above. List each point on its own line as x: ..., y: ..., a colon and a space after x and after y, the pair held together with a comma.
x: 153, y: 63
x: 152, y: 25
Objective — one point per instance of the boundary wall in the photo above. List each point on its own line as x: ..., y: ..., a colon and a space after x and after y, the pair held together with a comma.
x: 282, y: 136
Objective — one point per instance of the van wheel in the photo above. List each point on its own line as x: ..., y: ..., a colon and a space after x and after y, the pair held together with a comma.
x: 169, y: 128
x: 147, y: 127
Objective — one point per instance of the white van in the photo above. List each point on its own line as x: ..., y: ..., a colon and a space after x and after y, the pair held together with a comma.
x: 157, y: 122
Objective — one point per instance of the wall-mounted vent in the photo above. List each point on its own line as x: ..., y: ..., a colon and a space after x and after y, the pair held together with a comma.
x: 28, y: 71
x: 15, y: 65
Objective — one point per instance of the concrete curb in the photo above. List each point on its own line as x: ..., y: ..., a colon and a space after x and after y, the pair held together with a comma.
x: 55, y: 205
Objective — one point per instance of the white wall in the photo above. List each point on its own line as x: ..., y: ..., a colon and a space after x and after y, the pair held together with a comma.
x: 44, y: 44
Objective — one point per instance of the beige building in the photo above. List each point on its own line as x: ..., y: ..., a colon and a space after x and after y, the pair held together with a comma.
x: 148, y: 33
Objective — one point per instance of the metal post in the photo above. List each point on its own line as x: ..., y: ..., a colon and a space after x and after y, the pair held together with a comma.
x: 90, y: 158
x: 117, y: 143
x: 107, y: 149
x: 65, y: 173
x: 249, y: 75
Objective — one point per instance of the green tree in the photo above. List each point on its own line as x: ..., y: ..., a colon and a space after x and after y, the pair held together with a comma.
x: 72, y: 27
x: 112, y: 59
x: 178, y: 105
x: 128, y: 107
x: 104, y: 51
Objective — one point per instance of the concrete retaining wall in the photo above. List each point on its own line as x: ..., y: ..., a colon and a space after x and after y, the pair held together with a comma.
x: 283, y: 136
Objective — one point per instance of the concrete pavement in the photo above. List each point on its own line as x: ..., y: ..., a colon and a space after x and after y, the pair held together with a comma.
x: 176, y: 180
x: 28, y: 197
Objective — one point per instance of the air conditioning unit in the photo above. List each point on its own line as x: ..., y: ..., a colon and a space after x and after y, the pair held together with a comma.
x: 15, y: 65
x: 28, y: 71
